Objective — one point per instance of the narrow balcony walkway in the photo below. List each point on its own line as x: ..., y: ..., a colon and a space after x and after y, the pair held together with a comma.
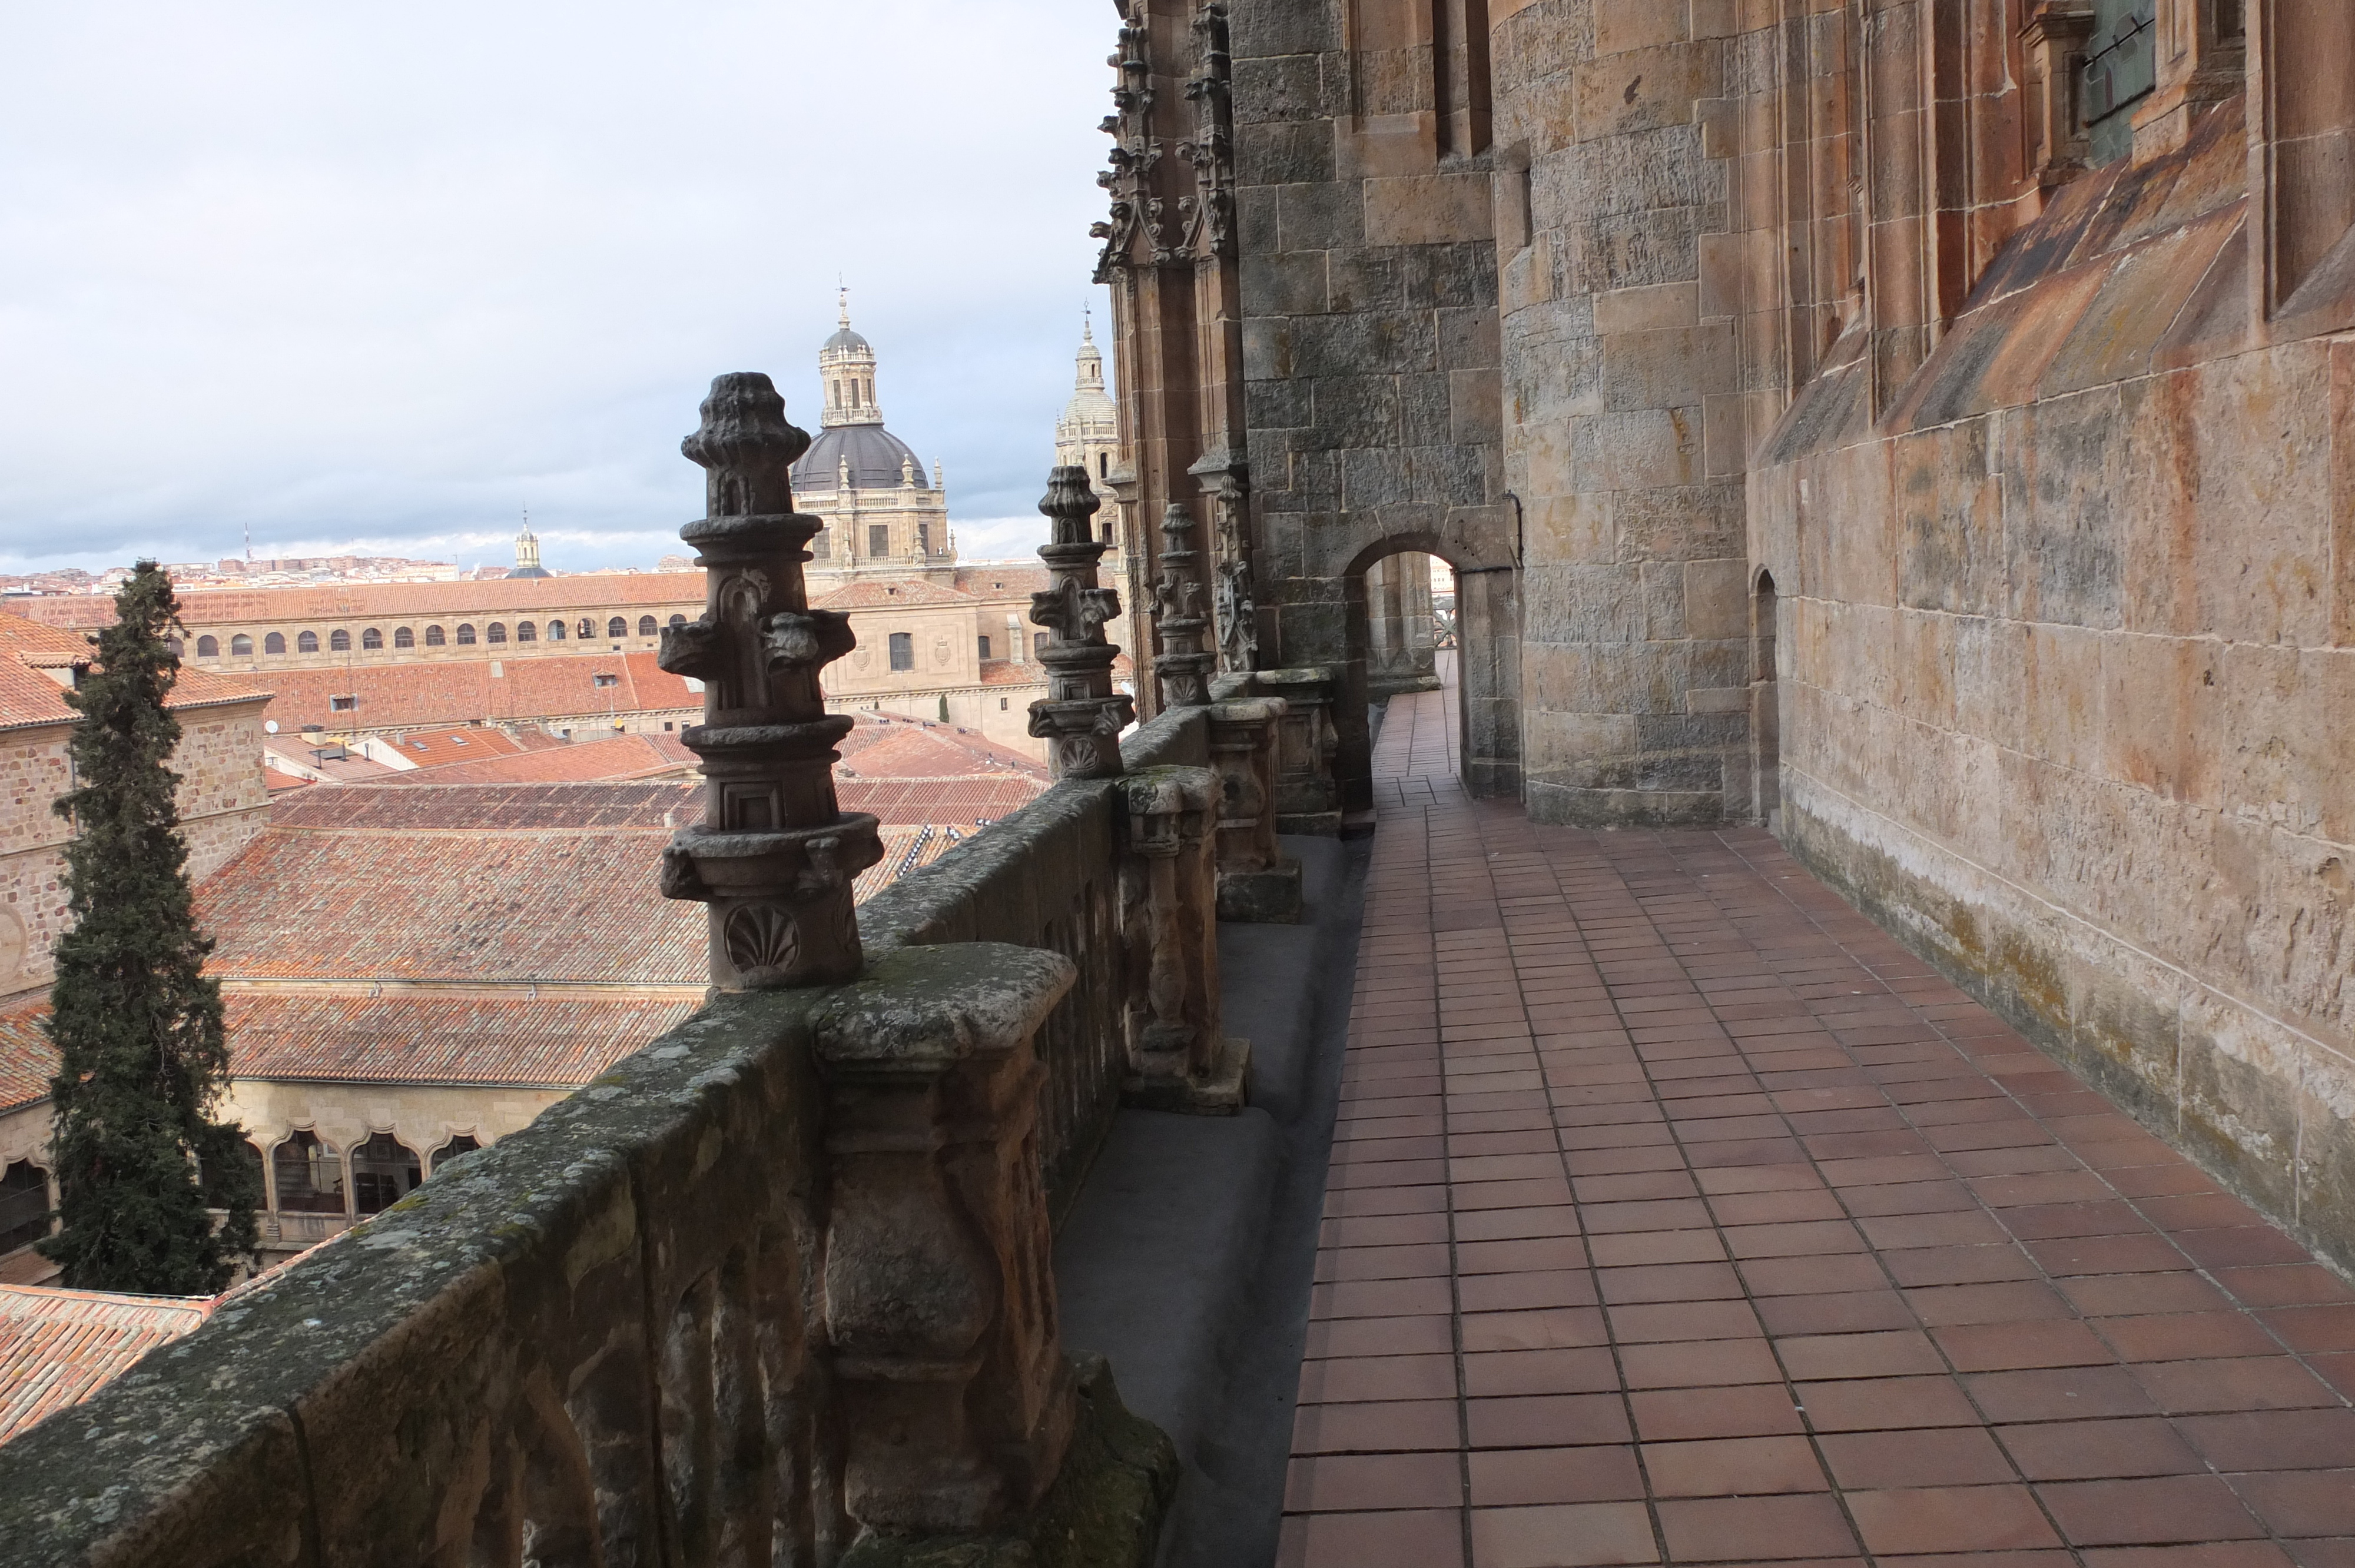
x: 1677, y: 1214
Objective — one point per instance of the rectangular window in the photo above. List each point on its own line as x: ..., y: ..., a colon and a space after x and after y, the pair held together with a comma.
x: 609, y: 679
x: 925, y: 538
x: 343, y: 704
x: 903, y: 650
x: 879, y: 539
x: 985, y: 648
x: 822, y: 546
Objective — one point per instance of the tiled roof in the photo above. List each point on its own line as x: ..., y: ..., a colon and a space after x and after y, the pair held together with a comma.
x: 44, y: 647
x: 1006, y: 673
x: 623, y: 757
x: 907, y: 593
x: 991, y: 580
x: 512, y: 907
x: 961, y: 802
x: 461, y: 692
x: 933, y: 751
x: 423, y: 1038
x: 904, y: 850
x: 444, y: 808
x: 358, y: 602
x: 29, y: 698
x: 278, y: 783
x: 60, y: 1347
x: 466, y: 743
x: 27, y: 1060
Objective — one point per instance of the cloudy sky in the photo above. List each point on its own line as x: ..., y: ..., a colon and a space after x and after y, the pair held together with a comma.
x: 383, y: 276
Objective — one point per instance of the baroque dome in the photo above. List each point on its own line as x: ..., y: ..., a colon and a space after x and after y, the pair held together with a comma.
x: 876, y: 458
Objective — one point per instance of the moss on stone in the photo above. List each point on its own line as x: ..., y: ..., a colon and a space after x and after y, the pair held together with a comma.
x: 1104, y: 1509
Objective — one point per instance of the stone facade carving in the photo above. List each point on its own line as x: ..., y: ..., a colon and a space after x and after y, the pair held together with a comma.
x: 1208, y: 213
x: 776, y: 855
x: 1183, y: 665
x: 1082, y: 717
x: 1179, y: 1057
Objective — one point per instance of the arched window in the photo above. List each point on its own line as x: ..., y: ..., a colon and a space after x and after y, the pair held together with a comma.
x: 903, y: 650
x: 372, y: 640
x: 647, y: 627
x: 433, y: 638
x: 306, y: 642
x: 240, y: 646
x: 617, y: 627
x: 208, y: 647
x: 679, y: 621
x: 527, y: 632
x: 24, y: 1205
x: 383, y: 1173
x: 176, y: 645
x: 310, y: 1176
x: 586, y: 629
x: 465, y: 635
x: 556, y: 631
x: 274, y: 643
x: 465, y: 1143
x: 495, y: 633
x: 403, y: 636
x: 339, y: 641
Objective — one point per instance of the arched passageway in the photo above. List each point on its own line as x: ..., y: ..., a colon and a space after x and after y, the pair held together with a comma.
x: 1439, y: 648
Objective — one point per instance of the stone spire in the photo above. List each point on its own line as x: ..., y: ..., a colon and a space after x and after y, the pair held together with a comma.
x: 846, y: 368
x: 775, y: 857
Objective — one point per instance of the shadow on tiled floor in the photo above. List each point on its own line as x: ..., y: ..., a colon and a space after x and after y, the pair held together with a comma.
x: 1678, y: 1214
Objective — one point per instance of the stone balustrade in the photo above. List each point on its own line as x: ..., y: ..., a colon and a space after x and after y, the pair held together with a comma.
x: 776, y: 1288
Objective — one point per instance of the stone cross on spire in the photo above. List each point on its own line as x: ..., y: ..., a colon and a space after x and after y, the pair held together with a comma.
x: 775, y: 855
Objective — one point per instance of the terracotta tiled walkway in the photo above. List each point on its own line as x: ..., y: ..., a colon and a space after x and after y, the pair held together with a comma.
x: 1677, y: 1214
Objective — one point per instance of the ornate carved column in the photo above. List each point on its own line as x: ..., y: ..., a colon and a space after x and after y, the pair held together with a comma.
x: 1082, y: 715
x: 1179, y: 1057
x: 1256, y: 883
x: 939, y: 1296
x: 1183, y: 666
x: 775, y: 855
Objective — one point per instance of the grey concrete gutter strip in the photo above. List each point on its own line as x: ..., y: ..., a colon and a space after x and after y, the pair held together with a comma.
x: 1189, y: 1256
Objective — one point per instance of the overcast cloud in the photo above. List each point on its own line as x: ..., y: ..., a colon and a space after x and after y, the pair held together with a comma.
x: 380, y: 277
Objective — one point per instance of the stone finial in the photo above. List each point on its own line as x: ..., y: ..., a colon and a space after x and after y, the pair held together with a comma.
x: 1082, y: 715
x: 1179, y: 1057
x: 775, y: 855
x: 1183, y: 666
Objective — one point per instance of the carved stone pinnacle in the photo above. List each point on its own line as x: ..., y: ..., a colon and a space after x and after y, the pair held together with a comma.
x: 775, y: 855
x: 1082, y: 717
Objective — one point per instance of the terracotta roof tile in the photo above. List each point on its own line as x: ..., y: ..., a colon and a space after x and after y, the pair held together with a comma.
x: 963, y: 802
x: 906, y: 593
x: 933, y: 751
x: 27, y: 1060
x: 28, y: 697
x: 278, y: 783
x: 482, y: 905
x: 544, y: 1041
x: 462, y: 692
x: 680, y: 592
x: 465, y: 743
x: 623, y: 757
x: 60, y: 1347
x: 990, y: 579
x: 433, y: 807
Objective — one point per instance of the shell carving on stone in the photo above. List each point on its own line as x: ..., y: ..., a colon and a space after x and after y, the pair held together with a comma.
x: 761, y: 937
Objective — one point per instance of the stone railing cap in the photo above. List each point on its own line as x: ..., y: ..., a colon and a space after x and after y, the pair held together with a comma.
x: 925, y: 1008
x: 1249, y: 710
x: 1155, y: 791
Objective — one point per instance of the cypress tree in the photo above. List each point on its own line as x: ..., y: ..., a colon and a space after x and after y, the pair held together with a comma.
x: 137, y: 1024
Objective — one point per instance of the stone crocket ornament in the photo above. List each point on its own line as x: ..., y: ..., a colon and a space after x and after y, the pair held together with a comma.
x: 775, y: 855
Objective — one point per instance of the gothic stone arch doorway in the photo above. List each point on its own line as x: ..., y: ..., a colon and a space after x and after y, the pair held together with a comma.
x: 1486, y: 621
